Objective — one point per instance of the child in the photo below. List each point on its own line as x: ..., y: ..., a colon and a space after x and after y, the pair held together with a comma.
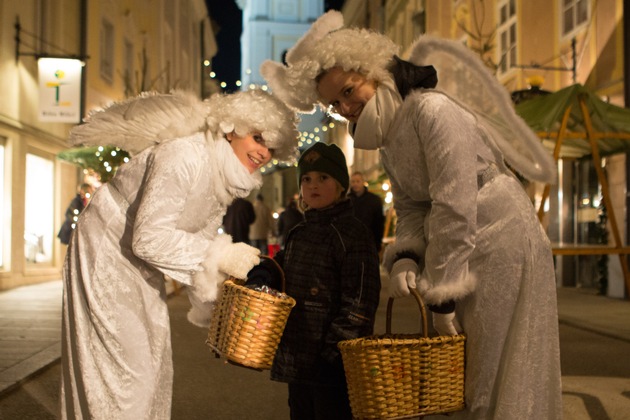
x: 332, y: 271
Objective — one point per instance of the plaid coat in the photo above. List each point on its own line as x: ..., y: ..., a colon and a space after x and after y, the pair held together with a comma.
x: 332, y: 270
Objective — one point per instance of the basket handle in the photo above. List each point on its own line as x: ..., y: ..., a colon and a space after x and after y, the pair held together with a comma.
x: 423, y: 313
x: 280, y: 270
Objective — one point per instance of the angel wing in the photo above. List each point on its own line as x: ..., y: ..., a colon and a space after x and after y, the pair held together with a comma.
x: 143, y: 121
x: 463, y: 76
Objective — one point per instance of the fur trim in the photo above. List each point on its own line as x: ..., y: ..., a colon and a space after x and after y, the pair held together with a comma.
x: 401, y: 245
x: 200, y: 312
x: 198, y: 317
x: 255, y: 110
x: 323, y: 47
x: 451, y: 290
x: 207, y: 282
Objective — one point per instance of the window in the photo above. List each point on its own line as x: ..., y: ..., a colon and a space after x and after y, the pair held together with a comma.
x: 419, y: 21
x: 107, y: 51
x: 129, y: 79
x: 507, y: 34
x: 38, y: 208
x: 574, y: 15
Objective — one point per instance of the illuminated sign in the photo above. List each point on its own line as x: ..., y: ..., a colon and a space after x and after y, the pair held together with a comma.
x: 59, y: 90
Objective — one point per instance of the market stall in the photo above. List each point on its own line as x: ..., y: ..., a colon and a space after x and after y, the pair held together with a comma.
x: 576, y: 123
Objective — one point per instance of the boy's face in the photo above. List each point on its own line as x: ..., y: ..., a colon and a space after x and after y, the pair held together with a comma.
x: 319, y: 190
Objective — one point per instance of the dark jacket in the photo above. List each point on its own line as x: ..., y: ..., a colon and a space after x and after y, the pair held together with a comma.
x: 368, y: 208
x: 332, y: 271
x: 238, y: 216
x: 72, y: 213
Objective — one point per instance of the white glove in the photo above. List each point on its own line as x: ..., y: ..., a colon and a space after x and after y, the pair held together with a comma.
x: 446, y: 324
x: 238, y: 258
x: 402, y: 277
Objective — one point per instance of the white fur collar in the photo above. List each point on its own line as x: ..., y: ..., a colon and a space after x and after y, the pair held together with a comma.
x: 377, y: 116
x: 234, y: 179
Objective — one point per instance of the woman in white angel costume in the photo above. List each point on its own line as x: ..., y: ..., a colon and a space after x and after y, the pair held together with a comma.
x: 158, y: 217
x: 467, y: 235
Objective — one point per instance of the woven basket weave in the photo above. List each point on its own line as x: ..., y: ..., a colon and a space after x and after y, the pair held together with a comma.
x: 404, y: 375
x: 246, y: 325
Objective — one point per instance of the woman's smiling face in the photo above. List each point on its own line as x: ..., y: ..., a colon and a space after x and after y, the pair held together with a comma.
x: 250, y: 150
x: 345, y: 92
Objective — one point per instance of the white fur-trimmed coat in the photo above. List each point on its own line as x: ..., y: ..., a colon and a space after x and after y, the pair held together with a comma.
x: 482, y: 246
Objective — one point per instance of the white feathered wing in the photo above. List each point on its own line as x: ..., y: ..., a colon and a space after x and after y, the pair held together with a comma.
x: 137, y: 123
x: 463, y: 76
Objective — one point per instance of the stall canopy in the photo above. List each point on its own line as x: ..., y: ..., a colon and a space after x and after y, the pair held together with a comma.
x: 610, y: 123
x: 575, y: 123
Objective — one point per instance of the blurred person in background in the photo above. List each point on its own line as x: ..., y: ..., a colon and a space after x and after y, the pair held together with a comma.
x: 262, y: 227
x: 238, y: 216
x: 368, y: 208
x: 78, y: 203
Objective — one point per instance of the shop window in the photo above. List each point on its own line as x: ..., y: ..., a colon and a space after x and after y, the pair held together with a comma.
x: 38, y: 209
x: 128, y: 70
x: 107, y: 51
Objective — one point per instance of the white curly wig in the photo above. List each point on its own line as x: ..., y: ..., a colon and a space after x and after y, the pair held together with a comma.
x: 255, y: 110
x: 323, y: 47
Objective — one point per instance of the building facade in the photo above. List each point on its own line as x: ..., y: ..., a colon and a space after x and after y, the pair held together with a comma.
x: 125, y: 47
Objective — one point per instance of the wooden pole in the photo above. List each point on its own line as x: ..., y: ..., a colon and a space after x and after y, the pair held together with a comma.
x: 605, y: 192
x: 556, y: 156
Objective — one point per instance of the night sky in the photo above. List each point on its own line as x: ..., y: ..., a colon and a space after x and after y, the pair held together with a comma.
x: 228, y: 19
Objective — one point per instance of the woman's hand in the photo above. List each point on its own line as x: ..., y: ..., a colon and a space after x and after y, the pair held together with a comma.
x: 402, y: 277
x: 237, y: 259
x: 446, y: 324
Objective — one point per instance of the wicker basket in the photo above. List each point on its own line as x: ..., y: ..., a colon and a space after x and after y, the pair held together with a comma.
x: 246, y: 325
x: 404, y: 376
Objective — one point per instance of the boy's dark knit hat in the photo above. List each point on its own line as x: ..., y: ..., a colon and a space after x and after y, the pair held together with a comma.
x: 327, y: 158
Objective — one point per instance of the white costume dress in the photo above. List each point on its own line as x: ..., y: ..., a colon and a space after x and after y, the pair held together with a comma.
x: 482, y: 246
x: 158, y: 216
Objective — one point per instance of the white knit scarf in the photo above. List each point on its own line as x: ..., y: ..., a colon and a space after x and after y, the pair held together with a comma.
x: 377, y: 115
